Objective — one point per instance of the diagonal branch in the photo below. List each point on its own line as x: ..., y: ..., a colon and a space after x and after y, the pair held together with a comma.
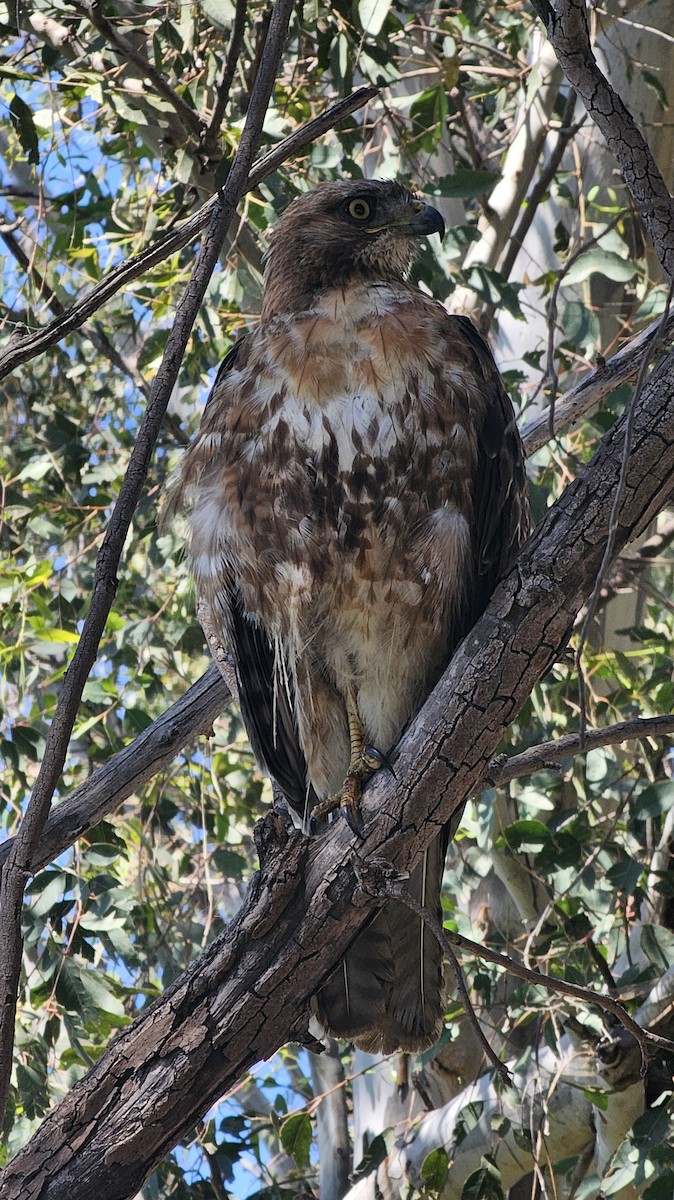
x: 247, y: 993
x: 22, y: 350
x: 105, y: 576
x: 210, y: 137
x: 566, y: 25
x: 191, y: 716
x: 606, y: 376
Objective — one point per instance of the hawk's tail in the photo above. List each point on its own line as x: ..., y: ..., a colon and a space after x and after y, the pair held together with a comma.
x: 387, y: 993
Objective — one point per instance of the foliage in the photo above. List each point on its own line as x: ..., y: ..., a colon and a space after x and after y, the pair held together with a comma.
x: 97, y: 163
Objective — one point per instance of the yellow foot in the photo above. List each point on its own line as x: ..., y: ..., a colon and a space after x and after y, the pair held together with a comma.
x: 347, y: 800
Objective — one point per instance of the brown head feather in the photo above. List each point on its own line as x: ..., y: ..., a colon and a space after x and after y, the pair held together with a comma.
x: 323, y: 241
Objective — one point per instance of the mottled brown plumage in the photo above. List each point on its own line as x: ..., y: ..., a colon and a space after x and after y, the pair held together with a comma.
x: 357, y: 489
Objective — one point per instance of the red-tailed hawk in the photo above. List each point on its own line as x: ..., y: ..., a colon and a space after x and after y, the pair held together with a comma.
x: 357, y: 489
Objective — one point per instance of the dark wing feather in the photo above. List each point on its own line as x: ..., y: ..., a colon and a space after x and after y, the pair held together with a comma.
x: 267, y: 711
x: 501, y: 508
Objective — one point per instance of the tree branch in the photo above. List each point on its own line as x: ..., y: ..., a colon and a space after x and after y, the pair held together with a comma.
x: 246, y: 995
x: 17, y: 352
x: 105, y: 577
x: 536, y: 758
x: 210, y: 138
x: 123, y: 773
x: 607, y: 375
x: 566, y: 24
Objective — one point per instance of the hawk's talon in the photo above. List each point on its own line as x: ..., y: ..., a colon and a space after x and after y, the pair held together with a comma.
x: 351, y: 814
x: 376, y: 759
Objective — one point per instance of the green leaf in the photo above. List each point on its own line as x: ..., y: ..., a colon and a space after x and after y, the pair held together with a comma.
x: 654, y: 83
x: 220, y: 12
x: 661, y: 1189
x: 374, y: 1156
x: 22, y: 120
x: 372, y: 14
x: 597, y: 1097
x: 465, y: 185
x: 654, y: 801
x: 485, y: 1183
x: 625, y: 874
x: 524, y: 835
x: 599, y: 262
x: 435, y: 1169
x: 296, y: 1137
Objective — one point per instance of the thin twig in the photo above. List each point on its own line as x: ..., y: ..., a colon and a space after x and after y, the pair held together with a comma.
x: 565, y: 134
x: 93, y: 12
x: 471, y: 1016
x: 209, y: 139
x: 36, y: 343
x: 105, y: 578
x: 648, y: 1042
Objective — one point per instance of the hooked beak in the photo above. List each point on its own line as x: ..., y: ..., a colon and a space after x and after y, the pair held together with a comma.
x: 427, y: 220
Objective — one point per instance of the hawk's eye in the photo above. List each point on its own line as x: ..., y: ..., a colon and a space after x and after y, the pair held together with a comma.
x: 359, y: 209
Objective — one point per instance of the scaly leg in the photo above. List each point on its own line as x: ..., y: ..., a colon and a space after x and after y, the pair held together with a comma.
x: 363, y: 762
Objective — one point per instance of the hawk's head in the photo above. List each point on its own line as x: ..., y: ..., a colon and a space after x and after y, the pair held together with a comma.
x: 341, y: 233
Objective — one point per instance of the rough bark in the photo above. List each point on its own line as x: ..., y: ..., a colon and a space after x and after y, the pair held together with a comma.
x: 250, y: 992
x: 567, y: 28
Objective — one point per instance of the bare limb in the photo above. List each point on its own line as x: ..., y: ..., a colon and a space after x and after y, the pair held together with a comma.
x: 564, y: 135
x: 576, y: 403
x: 191, y: 716
x: 105, y: 577
x: 210, y: 137
x: 566, y: 25
x: 93, y: 12
x: 28, y: 347
x: 538, y: 758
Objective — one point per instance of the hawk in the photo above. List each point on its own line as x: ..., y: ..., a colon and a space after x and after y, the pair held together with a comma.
x: 357, y: 488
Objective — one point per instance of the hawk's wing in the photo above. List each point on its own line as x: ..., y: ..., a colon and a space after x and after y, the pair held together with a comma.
x: 501, y: 509
x: 265, y: 685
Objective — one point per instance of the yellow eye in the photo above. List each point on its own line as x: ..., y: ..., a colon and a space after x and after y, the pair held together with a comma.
x: 359, y: 209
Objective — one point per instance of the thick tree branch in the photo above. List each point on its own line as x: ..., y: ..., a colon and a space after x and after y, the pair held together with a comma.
x: 21, y: 351
x: 566, y: 24
x: 246, y: 995
x: 105, y: 577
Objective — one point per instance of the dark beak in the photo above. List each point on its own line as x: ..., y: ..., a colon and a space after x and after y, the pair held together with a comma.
x: 427, y: 221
